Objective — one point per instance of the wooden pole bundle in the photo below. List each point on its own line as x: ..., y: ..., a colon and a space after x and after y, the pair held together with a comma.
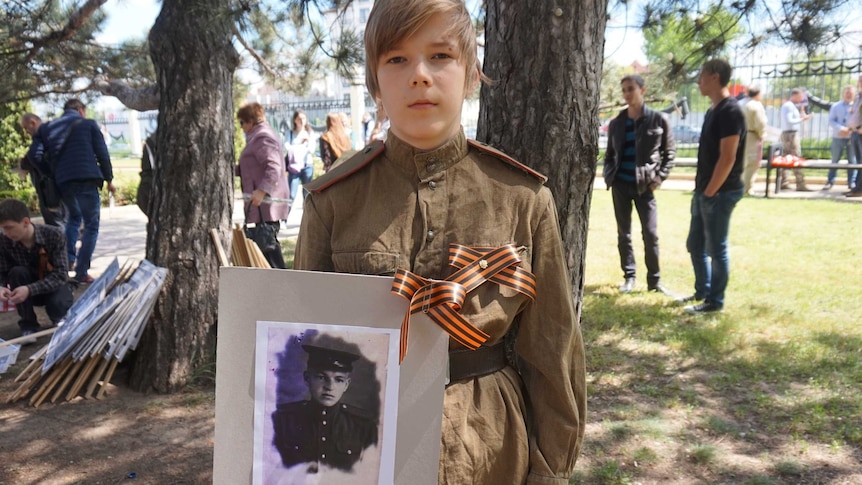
x: 244, y: 252
x: 99, y: 329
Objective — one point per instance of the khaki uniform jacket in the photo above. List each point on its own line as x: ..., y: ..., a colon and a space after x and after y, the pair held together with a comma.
x: 403, y: 209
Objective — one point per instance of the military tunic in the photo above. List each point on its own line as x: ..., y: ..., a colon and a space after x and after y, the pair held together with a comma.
x: 403, y: 209
x: 306, y: 432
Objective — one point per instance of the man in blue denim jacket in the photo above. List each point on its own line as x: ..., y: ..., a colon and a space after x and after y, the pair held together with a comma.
x: 718, y: 187
x: 78, y: 156
x: 639, y: 157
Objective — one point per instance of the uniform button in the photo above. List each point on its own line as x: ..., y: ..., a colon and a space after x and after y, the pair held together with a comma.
x: 324, y: 422
x: 323, y: 455
x: 323, y: 412
x: 430, y: 235
x: 296, y: 447
x: 432, y: 184
x: 323, y: 438
x: 349, y: 452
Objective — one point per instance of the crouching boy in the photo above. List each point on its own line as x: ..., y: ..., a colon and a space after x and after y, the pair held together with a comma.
x: 32, y: 267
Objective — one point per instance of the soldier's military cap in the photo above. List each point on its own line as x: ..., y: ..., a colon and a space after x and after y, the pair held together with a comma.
x: 322, y: 358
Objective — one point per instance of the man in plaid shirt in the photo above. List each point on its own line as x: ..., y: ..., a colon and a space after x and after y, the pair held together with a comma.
x: 33, y: 267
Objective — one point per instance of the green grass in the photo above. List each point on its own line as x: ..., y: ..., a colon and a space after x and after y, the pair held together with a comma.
x: 782, y: 363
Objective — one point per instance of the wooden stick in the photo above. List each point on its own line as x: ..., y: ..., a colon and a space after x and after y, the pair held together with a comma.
x: 38, y: 334
x: 70, y: 374
x: 95, y: 379
x: 107, y: 379
x: 222, y: 257
x: 52, y: 378
x: 82, y: 378
x: 34, y: 365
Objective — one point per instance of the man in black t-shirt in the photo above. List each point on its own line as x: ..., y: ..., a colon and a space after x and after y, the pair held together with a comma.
x: 718, y: 187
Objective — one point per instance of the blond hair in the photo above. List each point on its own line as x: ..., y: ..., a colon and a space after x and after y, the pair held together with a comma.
x: 392, y: 21
x: 335, y: 134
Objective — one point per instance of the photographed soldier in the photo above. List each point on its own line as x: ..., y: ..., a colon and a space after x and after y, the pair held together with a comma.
x: 323, y: 430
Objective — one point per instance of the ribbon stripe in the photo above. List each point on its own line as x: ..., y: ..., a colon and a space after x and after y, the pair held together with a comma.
x: 442, y: 300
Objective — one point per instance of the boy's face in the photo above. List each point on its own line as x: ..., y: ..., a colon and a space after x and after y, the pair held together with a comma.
x: 326, y: 386
x: 422, y: 85
x: 632, y: 93
x: 707, y: 82
x: 16, y: 231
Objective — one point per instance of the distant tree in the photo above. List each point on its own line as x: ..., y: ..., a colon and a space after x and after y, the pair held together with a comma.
x: 13, y: 144
x: 675, y: 46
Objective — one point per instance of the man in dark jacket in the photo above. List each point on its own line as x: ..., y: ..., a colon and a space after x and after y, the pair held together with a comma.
x: 638, y: 159
x: 53, y: 216
x: 78, y: 156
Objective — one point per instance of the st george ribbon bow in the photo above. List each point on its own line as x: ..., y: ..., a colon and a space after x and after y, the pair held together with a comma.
x: 441, y: 300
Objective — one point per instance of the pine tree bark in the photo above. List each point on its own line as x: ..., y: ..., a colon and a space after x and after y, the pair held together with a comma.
x: 545, y: 58
x: 190, y: 45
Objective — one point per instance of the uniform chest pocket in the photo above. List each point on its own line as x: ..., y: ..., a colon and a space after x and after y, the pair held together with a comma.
x: 366, y: 262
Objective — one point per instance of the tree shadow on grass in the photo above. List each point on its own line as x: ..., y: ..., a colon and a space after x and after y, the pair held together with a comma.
x: 658, y: 375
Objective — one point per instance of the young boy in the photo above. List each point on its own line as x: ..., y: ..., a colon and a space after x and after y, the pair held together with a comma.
x: 516, y: 419
x: 33, y: 264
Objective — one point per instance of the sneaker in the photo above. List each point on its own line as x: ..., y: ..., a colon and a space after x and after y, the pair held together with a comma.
x: 853, y: 193
x: 659, y: 288
x: 826, y: 187
x: 803, y: 188
x: 688, y: 299
x: 705, y: 307
x: 627, y: 286
x: 84, y: 280
x: 26, y: 339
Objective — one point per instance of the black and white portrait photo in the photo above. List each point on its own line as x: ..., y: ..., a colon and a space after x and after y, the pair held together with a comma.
x: 325, y: 404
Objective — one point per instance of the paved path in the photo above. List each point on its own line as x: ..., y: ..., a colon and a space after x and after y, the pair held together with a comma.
x: 123, y: 233
x: 123, y: 230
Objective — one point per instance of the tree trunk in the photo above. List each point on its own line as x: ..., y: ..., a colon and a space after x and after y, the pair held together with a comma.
x: 190, y: 45
x: 545, y: 59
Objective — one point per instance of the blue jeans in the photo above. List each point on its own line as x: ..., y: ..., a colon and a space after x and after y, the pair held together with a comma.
x: 838, y: 147
x: 83, y: 204
x: 707, y: 243
x: 293, y: 180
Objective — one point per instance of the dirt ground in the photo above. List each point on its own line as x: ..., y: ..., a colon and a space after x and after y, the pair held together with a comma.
x: 128, y: 437
x: 125, y: 437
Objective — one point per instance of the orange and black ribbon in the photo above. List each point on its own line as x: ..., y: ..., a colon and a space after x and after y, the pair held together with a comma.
x: 441, y: 300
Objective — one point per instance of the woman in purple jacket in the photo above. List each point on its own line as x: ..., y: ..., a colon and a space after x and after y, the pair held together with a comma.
x: 262, y: 173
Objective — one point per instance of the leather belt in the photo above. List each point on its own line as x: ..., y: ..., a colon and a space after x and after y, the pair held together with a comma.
x: 466, y: 363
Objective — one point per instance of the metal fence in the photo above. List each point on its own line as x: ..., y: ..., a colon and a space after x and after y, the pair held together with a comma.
x: 822, y: 80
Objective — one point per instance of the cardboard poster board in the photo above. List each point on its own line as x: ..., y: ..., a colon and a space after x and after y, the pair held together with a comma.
x: 265, y: 316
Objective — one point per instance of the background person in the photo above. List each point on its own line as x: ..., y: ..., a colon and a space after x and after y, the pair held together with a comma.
x: 53, y: 216
x: 32, y: 267
x: 755, y: 121
x: 403, y: 206
x: 262, y: 173
x: 78, y: 157
x: 334, y: 142
x: 839, y: 114
x: 639, y: 158
x: 854, y: 122
x: 299, y: 145
x: 791, y: 123
x: 718, y: 187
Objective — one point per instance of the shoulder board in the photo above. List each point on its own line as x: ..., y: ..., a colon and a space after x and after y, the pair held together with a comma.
x: 346, y: 169
x: 359, y: 412
x: 292, y: 406
x: 506, y: 158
